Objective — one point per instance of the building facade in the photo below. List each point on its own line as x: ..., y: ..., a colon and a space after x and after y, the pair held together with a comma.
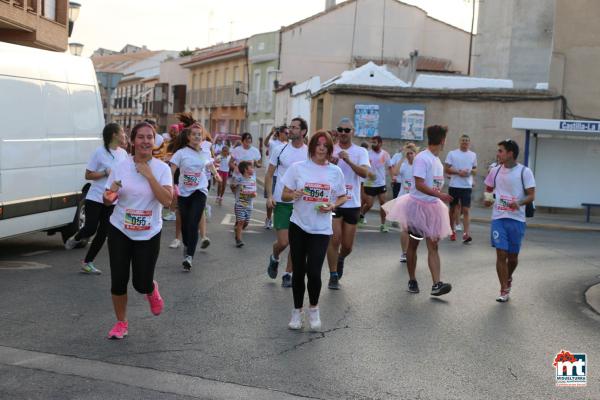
x: 575, y: 66
x: 346, y: 36
x: 218, y: 87
x: 263, y: 61
x: 35, y: 23
x: 514, y: 41
x: 170, y: 92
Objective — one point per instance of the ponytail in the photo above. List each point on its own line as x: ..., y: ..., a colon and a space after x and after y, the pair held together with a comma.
x: 108, y: 133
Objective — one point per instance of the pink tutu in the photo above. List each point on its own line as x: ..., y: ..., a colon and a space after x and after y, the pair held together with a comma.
x: 428, y: 219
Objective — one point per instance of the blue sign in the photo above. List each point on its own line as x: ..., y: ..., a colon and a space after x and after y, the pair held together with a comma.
x: 579, y: 126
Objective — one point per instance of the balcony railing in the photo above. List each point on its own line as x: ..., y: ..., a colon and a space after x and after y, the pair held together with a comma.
x: 219, y: 96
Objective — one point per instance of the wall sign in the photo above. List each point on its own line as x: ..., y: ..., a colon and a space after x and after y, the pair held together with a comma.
x: 366, y: 120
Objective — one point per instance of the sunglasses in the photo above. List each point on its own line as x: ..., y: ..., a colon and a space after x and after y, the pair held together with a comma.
x: 347, y: 130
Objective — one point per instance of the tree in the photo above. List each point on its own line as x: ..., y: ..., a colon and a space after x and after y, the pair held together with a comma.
x: 186, y: 52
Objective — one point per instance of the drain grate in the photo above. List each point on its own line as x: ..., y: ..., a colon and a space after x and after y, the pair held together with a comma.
x: 22, y: 265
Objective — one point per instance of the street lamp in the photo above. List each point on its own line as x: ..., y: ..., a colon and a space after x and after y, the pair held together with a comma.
x: 76, y: 48
x: 73, y: 15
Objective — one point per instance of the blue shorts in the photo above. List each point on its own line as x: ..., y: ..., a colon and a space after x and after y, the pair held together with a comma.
x: 507, y: 234
x: 242, y: 213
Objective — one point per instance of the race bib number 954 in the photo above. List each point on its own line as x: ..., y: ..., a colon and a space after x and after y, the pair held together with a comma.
x: 138, y: 220
x: 316, y: 192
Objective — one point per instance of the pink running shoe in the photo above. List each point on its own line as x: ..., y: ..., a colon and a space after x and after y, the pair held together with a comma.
x: 156, y: 302
x: 119, y: 331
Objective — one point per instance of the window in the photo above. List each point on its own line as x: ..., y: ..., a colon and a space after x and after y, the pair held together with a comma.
x: 208, y: 81
x: 236, y: 73
x: 49, y: 9
x: 319, y: 113
x: 200, y: 81
x: 226, y: 77
x: 216, y: 77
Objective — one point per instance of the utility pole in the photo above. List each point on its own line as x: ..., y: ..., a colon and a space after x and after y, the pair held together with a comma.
x: 471, y: 37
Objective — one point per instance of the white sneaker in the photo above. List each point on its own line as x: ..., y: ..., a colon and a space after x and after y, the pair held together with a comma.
x: 187, y: 263
x: 170, y: 216
x: 175, y: 243
x: 459, y: 227
x: 296, y: 321
x: 268, y: 224
x: 71, y: 243
x: 314, y: 319
x: 504, y: 297
x: 403, y: 258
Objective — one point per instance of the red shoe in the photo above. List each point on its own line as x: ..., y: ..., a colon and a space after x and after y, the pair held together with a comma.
x: 453, y: 237
x: 156, y: 302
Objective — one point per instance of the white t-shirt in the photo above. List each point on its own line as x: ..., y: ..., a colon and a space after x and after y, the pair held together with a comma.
x: 429, y: 167
x: 274, y: 144
x: 205, y: 146
x: 102, y: 160
x: 396, y: 158
x: 406, y: 178
x: 240, y: 154
x: 288, y: 155
x: 509, y: 188
x: 223, y: 163
x: 192, y: 170
x: 459, y: 159
x: 379, y: 163
x: 245, y: 190
x: 138, y: 213
x: 359, y: 156
x: 320, y: 184
x: 217, y: 147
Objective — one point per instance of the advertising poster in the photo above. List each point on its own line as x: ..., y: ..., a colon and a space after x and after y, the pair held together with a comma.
x: 366, y: 120
x: 413, y: 122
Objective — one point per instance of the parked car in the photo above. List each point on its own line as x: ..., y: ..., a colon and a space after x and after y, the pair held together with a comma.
x: 51, y: 120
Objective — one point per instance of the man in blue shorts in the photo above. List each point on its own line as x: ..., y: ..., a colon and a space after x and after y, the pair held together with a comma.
x: 513, y: 186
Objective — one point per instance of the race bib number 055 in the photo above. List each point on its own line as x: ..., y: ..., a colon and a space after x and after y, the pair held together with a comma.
x: 138, y: 220
x: 316, y: 192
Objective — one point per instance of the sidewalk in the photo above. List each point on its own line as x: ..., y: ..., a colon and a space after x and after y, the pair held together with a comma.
x: 542, y: 220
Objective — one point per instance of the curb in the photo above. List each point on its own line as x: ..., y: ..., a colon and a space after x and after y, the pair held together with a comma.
x: 548, y: 226
x: 592, y: 297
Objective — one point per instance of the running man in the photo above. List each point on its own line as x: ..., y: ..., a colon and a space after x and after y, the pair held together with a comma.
x: 461, y: 165
x: 375, y: 184
x: 514, y: 187
x: 423, y: 212
x: 275, y: 139
x: 353, y: 160
x: 281, y: 159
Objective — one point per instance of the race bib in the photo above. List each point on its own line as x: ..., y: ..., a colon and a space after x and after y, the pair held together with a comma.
x: 191, y: 179
x: 503, y: 203
x: 438, y: 183
x: 249, y: 189
x: 316, y: 192
x: 137, y: 220
x: 407, y: 184
x: 349, y: 191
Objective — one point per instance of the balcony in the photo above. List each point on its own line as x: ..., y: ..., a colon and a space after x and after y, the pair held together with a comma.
x: 221, y: 96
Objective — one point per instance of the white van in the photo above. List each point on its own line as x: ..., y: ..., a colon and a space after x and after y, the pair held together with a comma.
x: 51, y: 120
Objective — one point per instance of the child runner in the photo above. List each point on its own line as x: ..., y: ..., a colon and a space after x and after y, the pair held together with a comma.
x: 223, y: 170
x: 423, y: 212
x: 244, y: 187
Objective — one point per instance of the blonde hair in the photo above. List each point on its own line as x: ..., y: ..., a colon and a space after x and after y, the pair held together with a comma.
x: 410, y: 147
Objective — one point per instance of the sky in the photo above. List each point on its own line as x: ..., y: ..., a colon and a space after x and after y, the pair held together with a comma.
x: 181, y: 24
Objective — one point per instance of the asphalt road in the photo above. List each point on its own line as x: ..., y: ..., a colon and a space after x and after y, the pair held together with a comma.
x: 223, y: 333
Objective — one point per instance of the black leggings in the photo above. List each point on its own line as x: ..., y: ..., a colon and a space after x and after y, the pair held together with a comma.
x: 140, y: 255
x: 190, y: 210
x: 96, y: 221
x: 308, y: 253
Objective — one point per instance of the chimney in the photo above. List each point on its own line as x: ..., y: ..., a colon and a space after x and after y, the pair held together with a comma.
x: 329, y: 4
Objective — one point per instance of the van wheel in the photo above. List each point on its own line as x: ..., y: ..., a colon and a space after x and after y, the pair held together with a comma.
x: 76, y: 225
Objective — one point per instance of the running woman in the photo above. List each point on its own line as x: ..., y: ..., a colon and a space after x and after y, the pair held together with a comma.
x: 461, y: 165
x: 423, y: 212
x: 375, y: 184
x: 223, y: 170
x: 316, y: 187
x: 244, y: 187
x: 514, y: 187
x: 396, y: 161
x: 404, y: 172
x: 282, y: 159
x: 192, y: 163
x: 280, y: 138
x: 97, y: 213
x: 143, y: 186
x: 353, y: 160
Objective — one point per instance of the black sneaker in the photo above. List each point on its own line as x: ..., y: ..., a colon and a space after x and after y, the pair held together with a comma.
x: 205, y: 243
x: 413, y: 286
x: 238, y: 243
x: 467, y: 239
x: 340, y: 267
x: 440, y: 288
x: 286, y: 280
x: 272, y: 269
x: 334, y: 283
